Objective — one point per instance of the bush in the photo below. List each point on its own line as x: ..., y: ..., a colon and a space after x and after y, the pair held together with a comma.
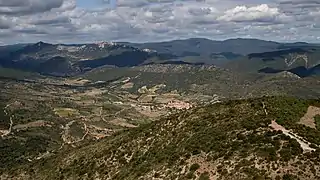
x: 289, y: 177
x: 194, y: 167
x: 204, y: 176
x: 317, y: 121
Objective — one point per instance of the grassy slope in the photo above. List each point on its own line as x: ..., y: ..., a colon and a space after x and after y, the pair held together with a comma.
x: 25, y: 144
x: 233, y: 137
x: 14, y: 73
x: 202, y: 79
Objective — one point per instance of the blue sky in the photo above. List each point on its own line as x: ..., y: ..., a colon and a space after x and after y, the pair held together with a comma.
x: 96, y: 3
x: 87, y: 3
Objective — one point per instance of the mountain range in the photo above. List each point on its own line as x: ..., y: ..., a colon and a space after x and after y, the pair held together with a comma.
x: 186, y: 109
x: 251, y: 55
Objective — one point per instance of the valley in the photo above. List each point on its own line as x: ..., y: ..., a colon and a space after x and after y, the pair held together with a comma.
x: 159, y: 90
x: 113, y: 106
x: 223, y: 140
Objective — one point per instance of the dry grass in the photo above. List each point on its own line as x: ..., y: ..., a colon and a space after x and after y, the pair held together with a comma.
x: 308, y: 118
x: 66, y: 112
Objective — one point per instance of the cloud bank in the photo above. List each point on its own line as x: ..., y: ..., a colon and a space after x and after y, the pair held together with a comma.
x: 63, y: 21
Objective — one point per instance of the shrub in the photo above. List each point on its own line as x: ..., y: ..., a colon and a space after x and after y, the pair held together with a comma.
x: 204, y: 176
x: 289, y: 177
x: 194, y: 167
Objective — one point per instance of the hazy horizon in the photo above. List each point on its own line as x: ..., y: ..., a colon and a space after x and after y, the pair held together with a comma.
x: 94, y: 42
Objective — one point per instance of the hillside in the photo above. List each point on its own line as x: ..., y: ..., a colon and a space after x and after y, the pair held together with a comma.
x: 249, y: 55
x: 16, y: 73
x: 116, y: 111
x: 70, y: 60
x: 202, y: 46
x: 42, y: 116
x: 210, y: 80
x: 300, y: 61
x: 230, y: 140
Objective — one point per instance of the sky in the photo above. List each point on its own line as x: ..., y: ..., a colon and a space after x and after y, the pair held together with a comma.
x: 83, y: 21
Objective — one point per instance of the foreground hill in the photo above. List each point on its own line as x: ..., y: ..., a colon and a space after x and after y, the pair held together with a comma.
x: 244, y: 139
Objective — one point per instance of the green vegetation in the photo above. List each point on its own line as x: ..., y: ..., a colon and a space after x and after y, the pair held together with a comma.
x: 317, y: 121
x: 234, y: 133
x: 15, y: 152
x: 58, y: 129
x: 18, y: 74
x: 210, y: 80
x: 274, y: 62
x: 233, y: 136
x: 4, y: 119
x: 194, y: 167
x: 288, y: 112
x: 204, y: 176
x: 289, y: 177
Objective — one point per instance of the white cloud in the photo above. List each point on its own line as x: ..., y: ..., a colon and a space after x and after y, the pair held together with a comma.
x: 157, y: 20
x: 260, y: 13
x: 22, y: 7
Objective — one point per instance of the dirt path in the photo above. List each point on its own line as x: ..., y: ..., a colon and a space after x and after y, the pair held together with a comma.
x: 308, y: 118
x: 7, y: 132
x: 305, y: 145
x: 65, y: 133
x: 101, y: 114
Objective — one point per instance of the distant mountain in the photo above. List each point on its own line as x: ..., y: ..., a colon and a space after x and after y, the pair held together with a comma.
x: 220, y: 53
x: 302, y: 61
x: 11, y: 48
x: 198, y: 46
x: 206, y: 46
x: 66, y: 60
x: 251, y: 55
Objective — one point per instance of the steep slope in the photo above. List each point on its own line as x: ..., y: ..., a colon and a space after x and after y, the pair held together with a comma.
x: 231, y: 140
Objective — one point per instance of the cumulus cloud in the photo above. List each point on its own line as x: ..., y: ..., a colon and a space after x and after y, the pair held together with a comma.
x: 260, y: 13
x: 22, y: 7
x: 300, y: 3
x: 60, y: 21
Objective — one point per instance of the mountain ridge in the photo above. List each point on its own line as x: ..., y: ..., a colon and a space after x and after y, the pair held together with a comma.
x: 74, y: 59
